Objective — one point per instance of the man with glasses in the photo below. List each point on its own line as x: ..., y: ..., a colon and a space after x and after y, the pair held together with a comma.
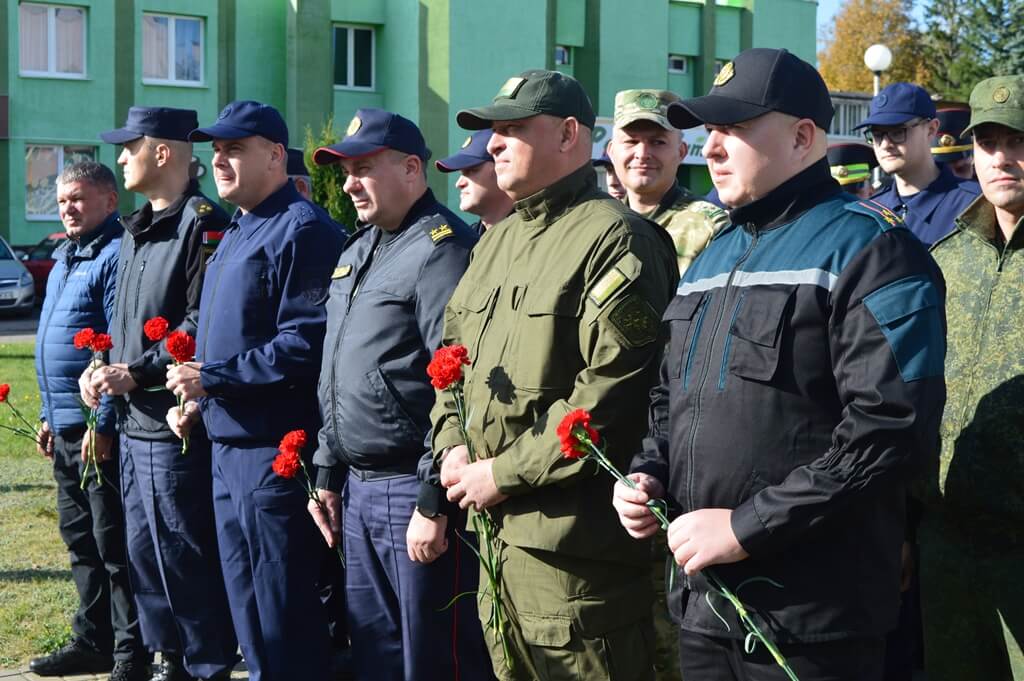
x: 900, y: 125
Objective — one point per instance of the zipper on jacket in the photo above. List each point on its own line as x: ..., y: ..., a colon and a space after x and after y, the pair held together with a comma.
x: 705, y: 369
x: 209, y: 305
x: 728, y: 342
x: 696, y: 337
x: 138, y: 288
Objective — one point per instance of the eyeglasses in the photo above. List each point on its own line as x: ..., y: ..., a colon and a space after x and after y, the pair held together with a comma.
x: 895, y: 135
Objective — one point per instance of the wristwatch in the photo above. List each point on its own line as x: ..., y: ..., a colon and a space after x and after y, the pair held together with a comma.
x: 427, y: 514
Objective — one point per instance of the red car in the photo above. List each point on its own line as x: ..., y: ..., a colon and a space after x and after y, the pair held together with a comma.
x: 39, y: 261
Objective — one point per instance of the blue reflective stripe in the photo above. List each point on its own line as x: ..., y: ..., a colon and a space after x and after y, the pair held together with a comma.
x: 909, y: 314
x: 728, y: 342
x: 693, y: 341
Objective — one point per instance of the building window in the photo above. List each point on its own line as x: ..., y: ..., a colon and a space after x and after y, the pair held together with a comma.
x: 51, y: 40
x: 172, y: 50
x: 43, y: 163
x: 354, y: 57
x: 563, y: 55
x: 677, y: 63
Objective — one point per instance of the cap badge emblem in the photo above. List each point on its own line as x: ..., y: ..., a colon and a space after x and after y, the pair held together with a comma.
x: 725, y: 75
x: 224, y: 113
x: 881, y: 100
x: 1000, y: 95
x: 511, y: 87
x: 947, y: 140
x: 353, y: 126
x: 841, y: 171
x: 647, y: 101
x: 469, y: 140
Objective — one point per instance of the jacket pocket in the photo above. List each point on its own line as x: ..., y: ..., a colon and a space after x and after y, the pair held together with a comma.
x: 754, y: 343
x: 547, y: 631
x: 469, y: 309
x: 546, y: 352
x: 683, y: 330
x: 910, y: 315
x: 392, y: 413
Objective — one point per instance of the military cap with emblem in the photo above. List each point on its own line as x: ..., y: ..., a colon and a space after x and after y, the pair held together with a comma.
x: 851, y: 162
x: 150, y: 121
x: 998, y: 100
x: 473, y: 153
x: 372, y: 131
x: 245, y: 118
x: 297, y: 163
x: 531, y: 93
x: 948, y: 144
x: 643, y: 105
x: 756, y: 82
x: 897, y: 104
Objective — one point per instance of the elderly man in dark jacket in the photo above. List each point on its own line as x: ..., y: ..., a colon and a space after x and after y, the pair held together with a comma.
x: 79, y: 295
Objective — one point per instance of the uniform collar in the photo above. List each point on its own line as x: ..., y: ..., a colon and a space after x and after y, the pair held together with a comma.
x: 790, y: 199
x: 141, y: 221
x: 550, y: 203
x: 274, y: 204
x: 924, y: 202
x: 980, y: 219
x: 674, y: 193
x: 89, y: 246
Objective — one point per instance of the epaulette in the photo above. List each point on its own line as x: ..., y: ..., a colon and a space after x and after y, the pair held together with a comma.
x: 201, y: 206
x: 885, y: 217
x: 438, y: 229
x: 303, y: 212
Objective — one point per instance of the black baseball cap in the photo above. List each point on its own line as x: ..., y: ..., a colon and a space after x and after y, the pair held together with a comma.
x: 532, y: 92
x: 245, y: 118
x: 297, y: 162
x: 374, y: 130
x: 152, y: 121
x: 756, y: 82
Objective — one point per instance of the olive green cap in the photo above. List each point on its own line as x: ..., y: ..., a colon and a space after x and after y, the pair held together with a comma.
x: 644, y: 105
x: 530, y: 93
x: 998, y: 100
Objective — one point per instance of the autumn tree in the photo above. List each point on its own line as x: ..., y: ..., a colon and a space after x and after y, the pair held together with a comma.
x: 857, y: 26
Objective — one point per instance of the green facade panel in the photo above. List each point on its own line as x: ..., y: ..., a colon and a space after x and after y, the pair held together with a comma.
x: 728, y: 21
x: 570, y: 22
x: 787, y: 23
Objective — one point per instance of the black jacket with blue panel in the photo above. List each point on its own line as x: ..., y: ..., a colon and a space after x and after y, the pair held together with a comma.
x: 384, y: 318
x: 802, y: 387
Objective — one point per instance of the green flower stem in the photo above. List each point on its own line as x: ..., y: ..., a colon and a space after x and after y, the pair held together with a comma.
x: 312, y: 493
x: 17, y: 413
x: 657, y: 507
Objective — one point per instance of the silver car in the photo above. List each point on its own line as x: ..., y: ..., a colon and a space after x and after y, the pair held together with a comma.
x: 17, y: 291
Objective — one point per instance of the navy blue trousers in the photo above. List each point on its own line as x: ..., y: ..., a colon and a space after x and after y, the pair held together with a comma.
x: 172, y: 547
x: 270, y: 556
x: 397, y: 620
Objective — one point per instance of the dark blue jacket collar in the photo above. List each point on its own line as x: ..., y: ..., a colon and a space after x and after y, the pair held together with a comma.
x: 928, y: 199
x: 90, y: 245
x: 275, y: 204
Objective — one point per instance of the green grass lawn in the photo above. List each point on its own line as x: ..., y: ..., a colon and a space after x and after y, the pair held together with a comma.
x: 37, y: 596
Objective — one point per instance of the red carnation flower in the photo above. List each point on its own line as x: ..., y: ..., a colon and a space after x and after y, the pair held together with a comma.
x: 83, y: 339
x: 446, y: 366
x: 155, y: 328
x: 571, y: 445
x: 181, y: 346
x: 287, y: 464
x: 5, y: 390
x: 101, y: 342
x: 293, y: 441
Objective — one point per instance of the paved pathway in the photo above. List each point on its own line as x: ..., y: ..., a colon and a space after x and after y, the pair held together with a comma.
x: 23, y: 674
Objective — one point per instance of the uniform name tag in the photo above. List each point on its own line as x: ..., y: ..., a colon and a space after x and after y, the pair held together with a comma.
x: 341, y: 272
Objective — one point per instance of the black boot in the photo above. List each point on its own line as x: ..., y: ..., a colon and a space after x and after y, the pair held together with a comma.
x: 74, y: 658
x: 172, y: 668
x: 133, y: 669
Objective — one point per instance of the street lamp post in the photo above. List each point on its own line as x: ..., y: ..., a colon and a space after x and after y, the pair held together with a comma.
x: 877, y: 58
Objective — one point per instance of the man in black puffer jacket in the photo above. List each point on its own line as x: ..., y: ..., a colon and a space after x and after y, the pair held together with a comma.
x: 172, y: 541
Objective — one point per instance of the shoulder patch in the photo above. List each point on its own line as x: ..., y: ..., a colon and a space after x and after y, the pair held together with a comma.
x: 885, y: 217
x: 440, y: 232
x: 204, y: 208
x: 635, y: 320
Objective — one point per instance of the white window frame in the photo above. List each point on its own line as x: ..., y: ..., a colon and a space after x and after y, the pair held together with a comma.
x: 351, y: 46
x: 686, y: 63
x: 172, y: 23
x: 567, y: 49
x: 51, y: 43
x: 60, y: 168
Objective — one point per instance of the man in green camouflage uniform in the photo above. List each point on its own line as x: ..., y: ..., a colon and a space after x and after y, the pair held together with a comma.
x: 972, y: 531
x: 646, y: 152
x: 560, y: 309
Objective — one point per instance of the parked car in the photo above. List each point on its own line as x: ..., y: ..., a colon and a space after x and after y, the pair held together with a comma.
x: 17, y: 288
x: 39, y: 260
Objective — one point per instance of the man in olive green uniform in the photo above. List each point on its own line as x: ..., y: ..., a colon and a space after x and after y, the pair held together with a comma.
x: 560, y: 310
x: 972, y: 532
x: 646, y: 151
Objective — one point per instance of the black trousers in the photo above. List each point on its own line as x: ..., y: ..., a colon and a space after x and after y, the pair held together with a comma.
x: 708, y: 658
x: 92, y: 527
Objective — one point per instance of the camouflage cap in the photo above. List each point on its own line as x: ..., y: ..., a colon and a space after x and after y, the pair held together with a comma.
x: 643, y: 105
x: 998, y: 100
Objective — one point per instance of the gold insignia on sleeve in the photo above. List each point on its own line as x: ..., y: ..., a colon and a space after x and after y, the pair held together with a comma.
x: 353, y: 126
x: 440, y: 233
x: 469, y: 140
x: 341, y: 272
x: 725, y: 75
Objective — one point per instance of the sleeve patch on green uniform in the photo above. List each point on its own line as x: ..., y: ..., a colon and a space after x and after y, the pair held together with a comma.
x: 636, y: 320
x: 625, y: 270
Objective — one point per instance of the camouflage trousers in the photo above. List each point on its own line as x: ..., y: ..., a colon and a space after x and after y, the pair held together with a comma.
x: 972, y: 602
x: 572, y: 618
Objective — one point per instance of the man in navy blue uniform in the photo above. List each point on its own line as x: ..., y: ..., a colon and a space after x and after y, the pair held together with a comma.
x: 260, y: 335
x: 172, y: 542
x: 80, y: 294
x: 479, y: 193
x: 384, y: 317
x: 900, y: 125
